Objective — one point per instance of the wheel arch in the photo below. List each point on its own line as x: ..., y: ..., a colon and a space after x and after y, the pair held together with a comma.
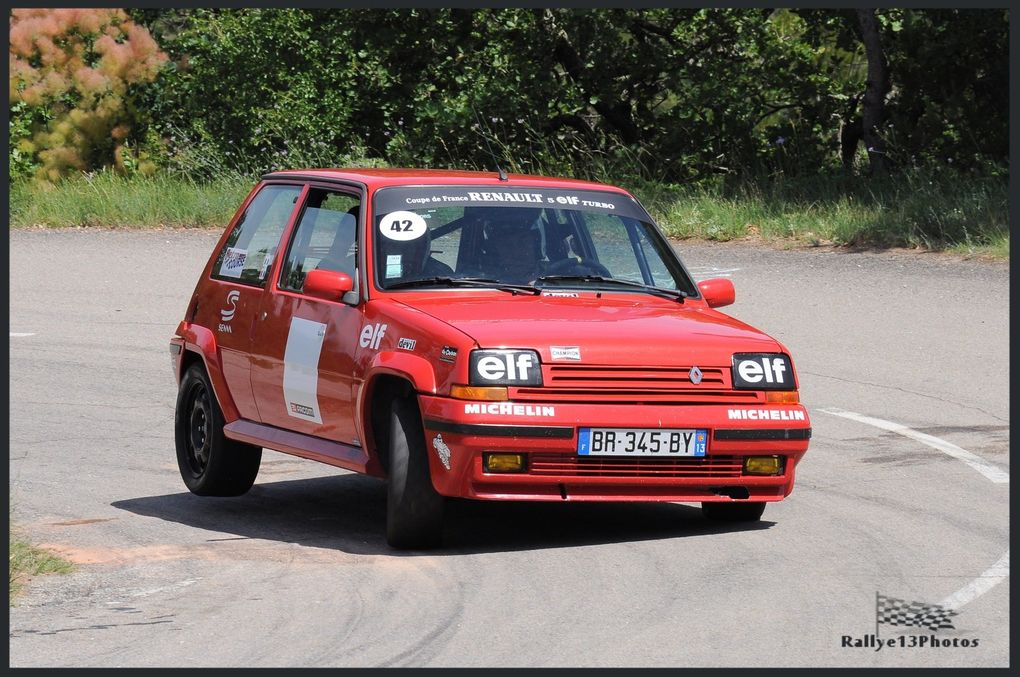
x: 391, y: 375
x: 200, y: 346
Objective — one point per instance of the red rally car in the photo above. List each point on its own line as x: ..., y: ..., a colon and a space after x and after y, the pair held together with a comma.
x: 481, y: 336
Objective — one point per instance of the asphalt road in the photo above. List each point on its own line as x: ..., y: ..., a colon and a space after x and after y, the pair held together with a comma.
x: 297, y: 572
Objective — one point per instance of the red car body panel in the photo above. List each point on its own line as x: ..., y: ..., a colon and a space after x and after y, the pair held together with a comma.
x: 627, y: 379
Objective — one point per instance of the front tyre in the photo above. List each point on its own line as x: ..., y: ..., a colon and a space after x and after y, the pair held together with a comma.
x: 733, y: 512
x: 414, y: 509
x: 210, y: 464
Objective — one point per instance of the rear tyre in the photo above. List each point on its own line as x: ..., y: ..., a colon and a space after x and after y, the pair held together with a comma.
x: 414, y: 509
x: 733, y: 512
x: 210, y: 464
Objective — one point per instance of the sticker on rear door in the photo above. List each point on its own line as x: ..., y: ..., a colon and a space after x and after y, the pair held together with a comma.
x: 301, y: 369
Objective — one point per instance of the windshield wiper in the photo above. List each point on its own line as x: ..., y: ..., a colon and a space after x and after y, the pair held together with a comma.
x: 484, y: 282
x: 675, y: 294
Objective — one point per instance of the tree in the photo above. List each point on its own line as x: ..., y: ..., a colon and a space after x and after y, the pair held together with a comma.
x: 72, y: 73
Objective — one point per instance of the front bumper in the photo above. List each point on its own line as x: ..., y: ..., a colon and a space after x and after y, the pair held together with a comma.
x: 547, y: 435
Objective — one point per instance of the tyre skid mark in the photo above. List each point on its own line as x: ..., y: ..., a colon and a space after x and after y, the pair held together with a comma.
x: 993, y: 473
x: 996, y: 573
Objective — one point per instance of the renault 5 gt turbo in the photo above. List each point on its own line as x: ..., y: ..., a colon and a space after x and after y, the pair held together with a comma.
x: 474, y: 335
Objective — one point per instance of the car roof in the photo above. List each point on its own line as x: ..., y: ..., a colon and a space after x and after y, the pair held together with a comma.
x: 380, y: 178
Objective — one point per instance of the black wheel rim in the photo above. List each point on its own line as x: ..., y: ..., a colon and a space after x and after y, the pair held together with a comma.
x: 198, y: 435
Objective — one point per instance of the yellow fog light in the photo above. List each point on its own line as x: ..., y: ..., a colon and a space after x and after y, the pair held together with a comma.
x: 763, y: 465
x: 782, y: 397
x: 479, y: 393
x: 503, y: 462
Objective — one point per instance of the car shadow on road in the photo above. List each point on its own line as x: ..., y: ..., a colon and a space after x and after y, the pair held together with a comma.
x: 348, y: 513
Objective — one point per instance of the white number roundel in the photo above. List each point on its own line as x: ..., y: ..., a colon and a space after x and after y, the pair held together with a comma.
x: 402, y: 226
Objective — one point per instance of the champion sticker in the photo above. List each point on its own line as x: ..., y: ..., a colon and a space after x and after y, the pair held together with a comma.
x: 402, y: 225
x: 562, y: 294
x: 233, y: 262
x: 442, y: 451
x: 565, y: 352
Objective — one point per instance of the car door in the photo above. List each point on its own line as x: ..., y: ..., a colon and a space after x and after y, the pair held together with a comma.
x: 228, y: 305
x: 303, y: 347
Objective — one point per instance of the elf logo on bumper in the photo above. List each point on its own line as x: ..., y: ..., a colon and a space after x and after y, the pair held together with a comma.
x: 505, y: 368
x: 765, y: 414
x: 762, y: 371
x: 507, y: 409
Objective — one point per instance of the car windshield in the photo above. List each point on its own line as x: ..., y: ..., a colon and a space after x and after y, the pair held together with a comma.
x: 552, y: 239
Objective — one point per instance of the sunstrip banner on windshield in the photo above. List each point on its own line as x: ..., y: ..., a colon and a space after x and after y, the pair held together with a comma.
x: 396, y: 198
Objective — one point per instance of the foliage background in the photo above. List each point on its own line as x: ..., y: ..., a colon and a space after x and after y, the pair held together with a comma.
x: 725, y: 102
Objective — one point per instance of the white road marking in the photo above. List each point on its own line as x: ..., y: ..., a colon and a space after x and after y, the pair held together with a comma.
x: 20, y: 334
x: 165, y: 588
x: 990, y: 471
x: 996, y: 573
x: 705, y: 272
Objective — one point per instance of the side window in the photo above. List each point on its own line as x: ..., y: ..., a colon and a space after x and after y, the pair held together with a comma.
x: 251, y: 246
x: 325, y: 238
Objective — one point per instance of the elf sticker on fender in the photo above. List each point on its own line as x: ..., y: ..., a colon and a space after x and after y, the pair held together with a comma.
x: 372, y: 335
x: 301, y: 369
x: 765, y: 414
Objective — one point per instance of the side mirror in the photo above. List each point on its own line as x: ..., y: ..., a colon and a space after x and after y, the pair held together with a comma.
x: 717, y: 292
x: 327, y: 284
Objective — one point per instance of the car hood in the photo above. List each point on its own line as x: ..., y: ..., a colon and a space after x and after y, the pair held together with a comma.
x: 614, y: 328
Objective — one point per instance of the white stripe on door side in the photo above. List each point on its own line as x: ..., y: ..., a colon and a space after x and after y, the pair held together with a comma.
x: 301, y: 369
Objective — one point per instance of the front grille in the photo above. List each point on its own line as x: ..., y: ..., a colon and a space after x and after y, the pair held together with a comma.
x: 594, y: 466
x: 602, y: 384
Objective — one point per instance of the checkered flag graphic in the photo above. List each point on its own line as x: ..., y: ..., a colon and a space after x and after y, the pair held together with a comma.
x: 892, y: 611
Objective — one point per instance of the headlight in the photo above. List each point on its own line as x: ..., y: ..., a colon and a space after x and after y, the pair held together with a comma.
x: 762, y: 371
x: 505, y: 368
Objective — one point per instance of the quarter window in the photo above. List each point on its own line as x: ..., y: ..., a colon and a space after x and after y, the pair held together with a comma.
x: 248, y: 253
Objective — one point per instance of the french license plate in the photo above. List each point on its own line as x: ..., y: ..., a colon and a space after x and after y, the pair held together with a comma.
x: 641, y: 442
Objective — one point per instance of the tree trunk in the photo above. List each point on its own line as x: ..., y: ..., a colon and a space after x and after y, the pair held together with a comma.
x: 877, y: 87
x: 617, y: 115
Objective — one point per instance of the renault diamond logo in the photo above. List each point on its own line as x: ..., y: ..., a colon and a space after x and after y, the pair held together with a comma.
x: 695, y: 375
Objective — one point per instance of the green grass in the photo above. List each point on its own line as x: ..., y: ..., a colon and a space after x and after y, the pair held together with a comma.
x: 106, y: 199
x: 961, y: 214
x: 997, y: 249
x: 954, y: 212
x: 27, y: 560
